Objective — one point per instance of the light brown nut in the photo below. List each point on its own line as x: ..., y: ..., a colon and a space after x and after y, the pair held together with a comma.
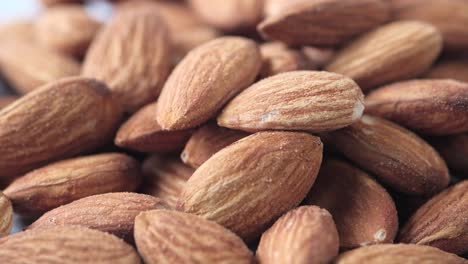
x: 305, y: 235
x: 111, y: 212
x: 397, y: 254
x: 66, y: 181
x: 132, y: 55
x: 19, y: 30
x: 165, y: 178
x: 298, y: 100
x: 442, y: 222
x: 454, y: 150
x: 396, y: 156
x: 6, y: 215
x: 249, y: 184
x: 205, y: 80
x: 7, y: 100
x: 191, y: 239
x: 143, y: 133
x: 456, y: 70
x: 432, y: 107
x: 321, y: 22
x: 363, y: 211
x: 318, y: 57
x: 42, y: 126
x: 405, y: 50
x: 278, y: 58
x: 48, y: 3
x: 206, y: 141
x: 66, y: 245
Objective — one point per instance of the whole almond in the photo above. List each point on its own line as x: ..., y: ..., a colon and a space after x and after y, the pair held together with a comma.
x: 66, y: 181
x: 278, y: 58
x: 165, y: 178
x: 249, y: 184
x: 66, y: 245
x: 191, y: 239
x: 396, y: 51
x: 111, y: 212
x: 6, y: 215
x: 42, y: 126
x: 132, y: 55
x: 397, y: 254
x: 143, y: 133
x: 443, y: 102
x: 7, y: 100
x: 454, y: 150
x: 206, y: 141
x: 442, y: 222
x: 322, y: 22
x: 305, y: 235
x: 208, y: 77
x: 297, y: 100
x: 455, y: 70
x: 363, y: 211
x: 396, y: 156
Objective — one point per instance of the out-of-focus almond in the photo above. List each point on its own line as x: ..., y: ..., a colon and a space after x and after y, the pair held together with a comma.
x: 454, y: 150
x: 456, y: 70
x: 7, y: 100
x: 318, y: 57
x: 48, y: 3
x: 6, y: 215
x: 278, y: 58
x: 19, y: 30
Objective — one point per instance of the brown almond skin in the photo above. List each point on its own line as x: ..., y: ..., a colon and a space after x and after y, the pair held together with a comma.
x: 278, y: 58
x: 323, y: 22
x: 317, y: 57
x: 132, y: 55
x: 111, y: 212
x: 6, y: 100
x: 205, y: 80
x: 66, y: 245
x: 191, y: 239
x: 63, y: 182
x: 406, y: 50
x: 143, y: 133
x: 206, y: 141
x: 41, y: 127
x: 297, y: 100
x: 305, y: 235
x: 397, y: 254
x: 165, y: 178
x: 452, y: 69
x: 363, y: 211
x: 431, y: 107
x: 442, y: 222
x: 454, y: 150
x: 396, y: 156
x: 249, y: 184
x: 6, y: 215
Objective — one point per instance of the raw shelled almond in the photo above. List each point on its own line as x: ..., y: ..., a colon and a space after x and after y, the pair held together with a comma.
x: 6, y: 100
x: 454, y: 150
x: 19, y: 30
x: 278, y: 58
x: 452, y: 69
x: 6, y: 215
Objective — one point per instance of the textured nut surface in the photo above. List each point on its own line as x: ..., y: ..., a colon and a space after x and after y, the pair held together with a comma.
x: 6, y: 215
x: 455, y: 70
x: 278, y: 58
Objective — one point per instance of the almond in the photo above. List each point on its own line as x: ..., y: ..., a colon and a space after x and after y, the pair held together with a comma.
x: 18, y: 30
x: 41, y: 126
x: 205, y: 80
x: 278, y: 58
x: 191, y: 239
x: 297, y: 100
x: 144, y: 134
x: 397, y: 157
x: 6, y: 215
x: 7, y: 100
x: 442, y: 222
x: 59, y: 2
x: 455, y: 70
x: 306, y: 235
x: 323, y: 22
x: 66, y: 181
x: 206, y: 141
x: 363, y: 211
x: 165, y: 178
x: 66, y: 245
x: 111, y: 212
x: 454, y: 150
x: 396, y: 51
x: 318, y: 57
x: 132, y: 55
x: 249, y: 184
x: 443, y: 102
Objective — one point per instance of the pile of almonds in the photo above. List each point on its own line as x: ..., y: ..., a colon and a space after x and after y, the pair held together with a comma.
x: 236, y: 131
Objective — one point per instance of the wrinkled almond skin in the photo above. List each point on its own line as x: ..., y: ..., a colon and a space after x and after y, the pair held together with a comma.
x: 63, y: 182
x: 395, y: 155
x: 363, y: 211
x: 191, y: 239
x: 132, y: 55
x: 6, y: 100
x: 6, y: 215
x: 206, y: 141
x: 305, y: 235
x: 442, y: 222
x: 321, y: 22
x: 66, y: 245
x: 406, y: 49
x: 454, y: 150
x: 111, y: 212
x: 165, y: 178
x: 397, y: 254
x: 205, y: 80
x: 431, y: 107
x: 455, y: 70
x: 143, y: 133
x: 278, y: 58
x: 41, y: 126
x: 249, y: 184
x: 297, y: 100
